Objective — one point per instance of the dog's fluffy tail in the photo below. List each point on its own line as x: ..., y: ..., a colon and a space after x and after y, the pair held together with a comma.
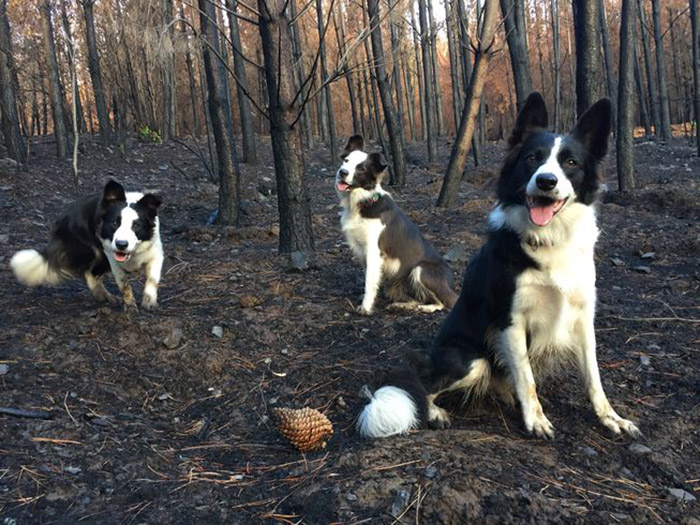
x: 33, y: 269
x: 395, y: 408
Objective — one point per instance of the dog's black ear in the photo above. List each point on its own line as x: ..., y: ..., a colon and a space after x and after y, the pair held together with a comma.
x: 593, y: 128
x: 150, y: 203
x: 532, y: 117
x: 113, y: 192
x: 355, y: 143
x: 377, y: 162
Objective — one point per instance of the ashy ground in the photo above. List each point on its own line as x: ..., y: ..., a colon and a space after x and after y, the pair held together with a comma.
x: 154, y: 419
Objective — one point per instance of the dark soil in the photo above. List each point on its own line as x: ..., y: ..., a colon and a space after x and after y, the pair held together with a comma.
x: 144, y: 432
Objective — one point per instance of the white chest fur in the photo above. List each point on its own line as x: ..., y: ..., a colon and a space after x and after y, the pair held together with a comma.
x: 556, y: 302
x: 360, y: 231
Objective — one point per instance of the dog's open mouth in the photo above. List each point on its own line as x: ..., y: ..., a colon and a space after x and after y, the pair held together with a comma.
x: 343, y: 186
x: 543, y: 209
x: 121, y: 256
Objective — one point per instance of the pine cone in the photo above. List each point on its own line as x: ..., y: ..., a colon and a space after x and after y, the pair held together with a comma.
x: 306, y: 428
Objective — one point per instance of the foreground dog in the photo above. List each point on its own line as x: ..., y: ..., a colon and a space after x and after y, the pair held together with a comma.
x: 387, y: 243
x: 528, y: 299
x: 113, y: 230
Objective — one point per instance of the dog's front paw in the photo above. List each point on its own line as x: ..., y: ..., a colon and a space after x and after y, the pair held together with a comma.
x: 365, y: 308
x: 540, y: 426
x: 618, y: 424
x: 105, y: 297
x: 149, y: 303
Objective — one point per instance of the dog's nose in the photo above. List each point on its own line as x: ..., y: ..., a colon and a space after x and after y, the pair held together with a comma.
x: 343, y: 173
x: 546, y: 181
x: 121, y: 245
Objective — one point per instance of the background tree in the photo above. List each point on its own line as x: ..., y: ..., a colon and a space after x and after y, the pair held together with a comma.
x: 625, y: 100
x: 8, y: 98
x: 168, y: 127
x: 284, y: 114
x: 96, y: 74
x: 664, y: 110
x: 430, y: 121
x: 55, y: 88
x: 398, y: 157
x: 587, y: 64
x: 220, y: 116
x: 516, y: 30
x: 695, y: 20
x: 460, y: 149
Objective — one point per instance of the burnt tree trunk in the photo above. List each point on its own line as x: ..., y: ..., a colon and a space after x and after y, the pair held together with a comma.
x: 643, y: 111
x: 349, y: 77
x: 96, y: 74
x: 664, y: 110
x: 8, y: 97
x: 322, y: 32
x: 220, y: 116
x: 556, y: 66
x: 398, y: 156
x: 292, y: 191
x: 396, y: 74
x: 428, y: 84
x: 610, y: 82
x: 460, y: 148
x: 514, y: 20
x: 586, y: 27
x: 168, y: 126
x: 649, y: 66
x: 55, y: 89
x: 71, y: 63
x: 453, y: 53
x: 247, y: 135
x: 420, y: 78
x: 695, y: 21
x: 625, y: 100
x: 306, y: 119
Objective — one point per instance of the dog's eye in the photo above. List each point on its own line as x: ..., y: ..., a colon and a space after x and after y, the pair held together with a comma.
x: 115, y: 223
x: 531, y: 157
x: 571, y: 163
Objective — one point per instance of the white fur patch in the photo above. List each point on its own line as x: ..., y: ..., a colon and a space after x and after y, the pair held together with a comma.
x: 350, y: 163
x: 391, y: 411
x: 563, y: 188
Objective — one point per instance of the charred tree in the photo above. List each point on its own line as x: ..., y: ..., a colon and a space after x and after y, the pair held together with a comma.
x: 349, y: 77
x: 72, y: 63
x: 247, y: 134
x: 398, y: 156
x: 514, y: 20
x: 625, y: 100
x: 695, y: 21
x: 168, y: 126
x: 55, y: 88
x: 282, y: 89
x: 460, y: 148
x: 330, y: 116
x: 664, y: 109
x: 643, y: 111
x: 586, y: 27
x: 428, y: 83
x: 649, y: 67
x: 306, y: 118
x: 8, y: 97
x: 96, y: 74
x: 220, y: 116
x: 610, y: 82
x: 556, y: 65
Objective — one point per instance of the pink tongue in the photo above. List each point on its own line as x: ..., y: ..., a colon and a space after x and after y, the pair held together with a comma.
x: 542, y: 215
x: 120, y: 257
x: 343, y: 186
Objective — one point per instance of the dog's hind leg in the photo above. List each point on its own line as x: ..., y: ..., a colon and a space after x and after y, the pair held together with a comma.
x: 436, y: 283
x: 97, y: 287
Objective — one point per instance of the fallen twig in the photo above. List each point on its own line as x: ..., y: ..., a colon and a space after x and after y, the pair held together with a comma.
x: 18, y: 412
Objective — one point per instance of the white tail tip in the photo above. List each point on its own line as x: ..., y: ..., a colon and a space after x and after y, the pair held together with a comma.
x: 30, y: 268
x: 391, y: 411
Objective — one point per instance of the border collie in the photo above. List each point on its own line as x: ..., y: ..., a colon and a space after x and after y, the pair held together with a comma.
x: 388, y: 244
x: 115, y: 231
x: 528, y: 299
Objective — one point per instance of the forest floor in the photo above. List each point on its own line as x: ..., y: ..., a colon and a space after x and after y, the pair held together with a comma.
x: 157, y: 420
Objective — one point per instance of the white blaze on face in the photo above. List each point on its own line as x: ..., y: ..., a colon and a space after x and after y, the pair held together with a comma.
x: 563, y: 189
x: 125, y: 233
x: 350, y: 163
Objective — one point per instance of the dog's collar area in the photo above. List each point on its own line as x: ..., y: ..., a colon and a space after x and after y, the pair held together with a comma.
x: 369, y: 201
x: 534, y: 243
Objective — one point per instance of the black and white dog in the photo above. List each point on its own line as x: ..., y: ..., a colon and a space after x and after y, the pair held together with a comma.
x: 388, y: 244
x: 528, y: 299
x: 112, y: 230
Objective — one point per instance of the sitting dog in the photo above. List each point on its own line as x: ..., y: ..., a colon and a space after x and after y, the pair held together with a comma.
x: 528, y: 299
x: 387, y: 243
x: 112, y: 230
